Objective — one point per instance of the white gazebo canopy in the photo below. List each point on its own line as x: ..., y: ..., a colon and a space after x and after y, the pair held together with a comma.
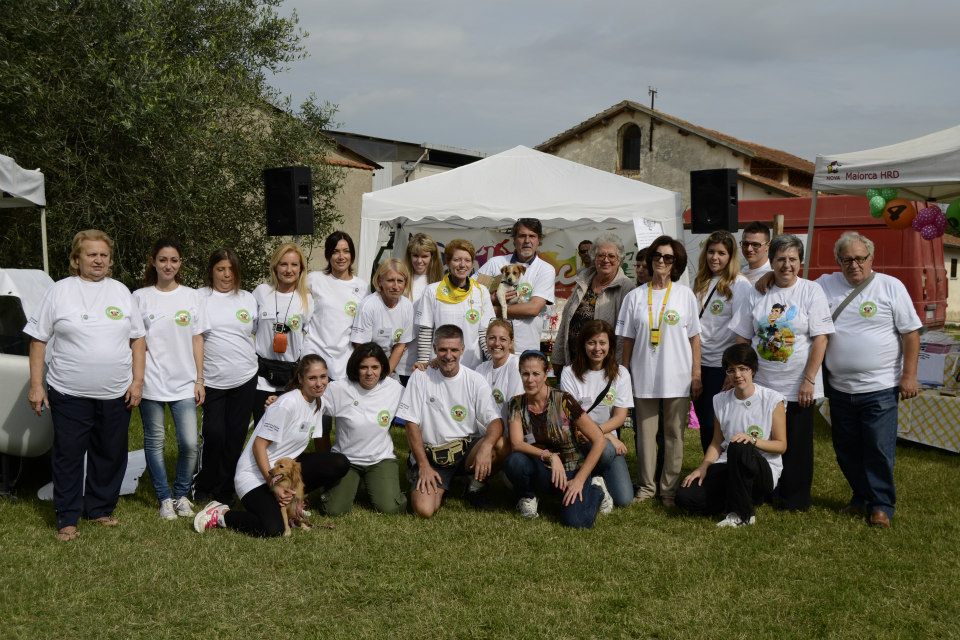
x: 517, y: 183
x: 21, y: 187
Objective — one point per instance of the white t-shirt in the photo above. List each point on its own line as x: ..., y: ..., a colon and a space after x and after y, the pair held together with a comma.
x: 375, y: 322
x: 363, y: 419
x: 289, y: 424
x: 537, y: 281
x: 171, y: 318
x: 275, y: 307
x: 409, y: 357
x: 473, y: 312
x: 664, y: 371
x: 448, y: 408
x: 504, y: 381
x: 620, y: 393
x: 865, y: 353
x: 752, y: 275
x: 780, y: 325
x: 336, y: 303
x: 229, y: 322
x: 716, y: 335
x: 753, y: 416
x: 93, y: 323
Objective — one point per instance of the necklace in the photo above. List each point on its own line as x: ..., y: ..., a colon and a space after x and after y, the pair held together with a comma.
x: 87, y: 307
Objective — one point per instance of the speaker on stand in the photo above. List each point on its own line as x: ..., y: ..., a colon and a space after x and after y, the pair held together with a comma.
x: 288, y: 194
x: 713, y: 200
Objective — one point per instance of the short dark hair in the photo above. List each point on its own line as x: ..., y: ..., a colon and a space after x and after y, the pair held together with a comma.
x: 757, y: 227
x: 740, y: 354
x: 228, y: 254
x: 583, y: 242
x: 330, y: 245
x: 303, y: 364
x: 679, y: 256
x: 530, y: 223
x: 447, y: 332
x: 785, y: 242
x: 361, y: 353
x: 535, y: 355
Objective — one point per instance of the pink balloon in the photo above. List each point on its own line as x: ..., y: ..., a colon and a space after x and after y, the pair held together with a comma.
x: 924, y: 217
x: 930, y: 232
x: 940, y: 220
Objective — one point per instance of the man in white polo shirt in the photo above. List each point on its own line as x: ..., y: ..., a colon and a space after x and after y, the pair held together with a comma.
x: 453, y: 426
x: 535, y: 289
x: 754, y: 245
x: 872, y: 361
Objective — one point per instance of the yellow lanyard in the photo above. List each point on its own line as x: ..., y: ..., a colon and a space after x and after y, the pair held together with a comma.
x: 655, y: 331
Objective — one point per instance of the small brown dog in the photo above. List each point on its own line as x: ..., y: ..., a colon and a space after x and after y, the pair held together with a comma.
x: 508, y: 280
x: 286, y: 473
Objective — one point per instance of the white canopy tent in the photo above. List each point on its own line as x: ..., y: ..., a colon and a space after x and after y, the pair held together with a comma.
x: 518, y: 183
x: 925, y: 168
x: 21, y: 187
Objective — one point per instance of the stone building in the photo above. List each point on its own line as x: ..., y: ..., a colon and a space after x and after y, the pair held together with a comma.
x: 636, y: 141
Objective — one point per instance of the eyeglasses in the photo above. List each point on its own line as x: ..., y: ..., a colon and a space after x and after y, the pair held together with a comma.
x: 744, y: 244
x: 667, y: 258
x: 742, y: 370
x: 848, y: 262
x: 612, y: 257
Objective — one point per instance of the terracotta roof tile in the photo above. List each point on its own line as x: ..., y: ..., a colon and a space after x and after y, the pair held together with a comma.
x: 351, y: 164
x: 950, y: 241
x: 773, y: 184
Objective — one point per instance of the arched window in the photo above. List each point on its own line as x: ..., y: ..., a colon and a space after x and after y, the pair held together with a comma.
x: 630, y: 148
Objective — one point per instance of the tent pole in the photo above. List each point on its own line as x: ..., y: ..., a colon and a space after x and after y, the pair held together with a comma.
x: 43, y: 239
x: 809, y: 251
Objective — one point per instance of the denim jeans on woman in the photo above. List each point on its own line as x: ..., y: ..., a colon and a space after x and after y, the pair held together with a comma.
x: 613, y: 468
x: 184, y: 414
x: 531, y: 477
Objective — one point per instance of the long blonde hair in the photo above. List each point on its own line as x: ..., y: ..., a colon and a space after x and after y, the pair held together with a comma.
x: 301, y: 287
x: 392, y: 264
x: 423, y: 243
x: 729, y: 275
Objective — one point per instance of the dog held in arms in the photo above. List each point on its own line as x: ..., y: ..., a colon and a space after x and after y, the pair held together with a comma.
x: 286, y: 473
x: 508, y: 280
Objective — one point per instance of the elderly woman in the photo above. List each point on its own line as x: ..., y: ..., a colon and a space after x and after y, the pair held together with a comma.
x: 788, y: 327
x: 459, y: 300
x: 94, y: 379
x: 545, y: 425
x: 597, y: 295
x: 660, y: 328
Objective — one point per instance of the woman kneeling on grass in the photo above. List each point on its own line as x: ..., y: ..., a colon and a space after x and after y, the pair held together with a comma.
x: 546, y: 459
x: 285, y: 430
x: 742, y: 464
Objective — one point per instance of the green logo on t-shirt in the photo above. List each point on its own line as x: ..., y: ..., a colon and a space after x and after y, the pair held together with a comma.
x: 243, y: 316
x: 716, y: 307
x: 383, y: 418
x: 182, y: 318
x: 397, y: 334
x: 296, y: 322
x: 350, y: 308
x: 458, y: 412
x: 868, y: 309
x: 671, y: 317
x: 472, y: 316
x: 754, y: 431
x: 610, y: 398
x: 525, y: 291
x: 114, y: 313
x: 498, y: 396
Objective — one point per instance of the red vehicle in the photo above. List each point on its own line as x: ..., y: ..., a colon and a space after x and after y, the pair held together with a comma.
x: 916, y: 262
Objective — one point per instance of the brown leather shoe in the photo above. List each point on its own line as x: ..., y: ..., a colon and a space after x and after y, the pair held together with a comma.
x: 879, y: 519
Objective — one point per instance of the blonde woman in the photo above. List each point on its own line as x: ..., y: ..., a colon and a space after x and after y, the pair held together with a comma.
x: 425, y: 265
x: 285, y: 309
x: 386, y: 317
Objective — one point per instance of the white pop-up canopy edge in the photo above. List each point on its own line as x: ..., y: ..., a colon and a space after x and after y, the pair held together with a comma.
x: 925, y: 168
x: 517, y: 183
x: 21, y: 187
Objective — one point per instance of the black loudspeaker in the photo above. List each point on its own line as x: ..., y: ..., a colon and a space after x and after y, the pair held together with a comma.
x: 713, y: 200
x: 288, y: 193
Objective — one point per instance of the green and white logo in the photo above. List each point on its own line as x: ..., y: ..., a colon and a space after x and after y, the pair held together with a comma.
x: 498, y: 396
x: 296, y: 322
x: 671, y: 317
x: 754, y: 431
x: 716, y: 307
x: 243, y: 316
x: 182, y: 318
x: 458, y: 412
x: 350, y: 308
x: 397, y: 334
x: 114, y: 313
x: 525, y: 291
x: 383, y: 418
x: 610, y: 398
x: 472, y: 316
x: 868, y: 309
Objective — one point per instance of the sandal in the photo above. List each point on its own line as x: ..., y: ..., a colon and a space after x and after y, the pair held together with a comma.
x: 66, y: 534
x: 107, y: 521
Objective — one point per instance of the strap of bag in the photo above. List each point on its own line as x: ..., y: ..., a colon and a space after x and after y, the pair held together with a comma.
x: 853, y: 294
x: 707, y: 301
x: 600, y: 397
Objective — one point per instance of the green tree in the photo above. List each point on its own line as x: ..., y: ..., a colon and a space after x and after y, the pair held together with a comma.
x: 153, y: 118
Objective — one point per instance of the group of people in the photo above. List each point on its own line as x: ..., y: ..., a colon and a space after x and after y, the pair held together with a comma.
x: 318, y: 357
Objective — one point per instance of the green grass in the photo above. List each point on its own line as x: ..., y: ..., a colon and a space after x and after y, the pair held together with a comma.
x: 642, y: 572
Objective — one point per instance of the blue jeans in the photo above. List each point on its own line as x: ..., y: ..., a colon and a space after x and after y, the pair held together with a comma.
x: 530, y: 476
x: 616, y: 475
x: 865, y: 441
x: 184, y: 414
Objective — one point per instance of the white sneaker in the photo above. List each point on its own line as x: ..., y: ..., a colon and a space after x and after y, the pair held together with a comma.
x: 528, y: 507
x: 210, y: 517
x: 183, y: 507
x: 733, y: 520
x: 167, y: 511
x: 606, y: 503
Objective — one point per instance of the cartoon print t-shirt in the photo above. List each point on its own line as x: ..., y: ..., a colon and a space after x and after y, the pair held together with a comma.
x: 781, y: 324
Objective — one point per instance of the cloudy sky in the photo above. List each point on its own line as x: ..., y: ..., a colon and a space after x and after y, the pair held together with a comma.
x: 806, y: 77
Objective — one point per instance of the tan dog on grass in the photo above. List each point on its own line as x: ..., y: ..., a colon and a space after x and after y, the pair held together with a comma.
x: 508, y: 280
x: 286, y: 473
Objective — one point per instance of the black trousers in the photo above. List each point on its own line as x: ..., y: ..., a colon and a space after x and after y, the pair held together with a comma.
x: 259, y: 398
x: 737, y: 485
x: 793, y: 490
x: 262, y: 516
x: 713, y: 378
x: 98, y: 430
x: 226, y: 419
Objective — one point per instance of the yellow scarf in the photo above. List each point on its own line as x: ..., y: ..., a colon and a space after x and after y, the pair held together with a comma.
x: 451, y: 294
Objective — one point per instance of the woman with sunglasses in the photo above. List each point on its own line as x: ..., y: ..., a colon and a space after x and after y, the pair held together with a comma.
x: 660, y: 328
